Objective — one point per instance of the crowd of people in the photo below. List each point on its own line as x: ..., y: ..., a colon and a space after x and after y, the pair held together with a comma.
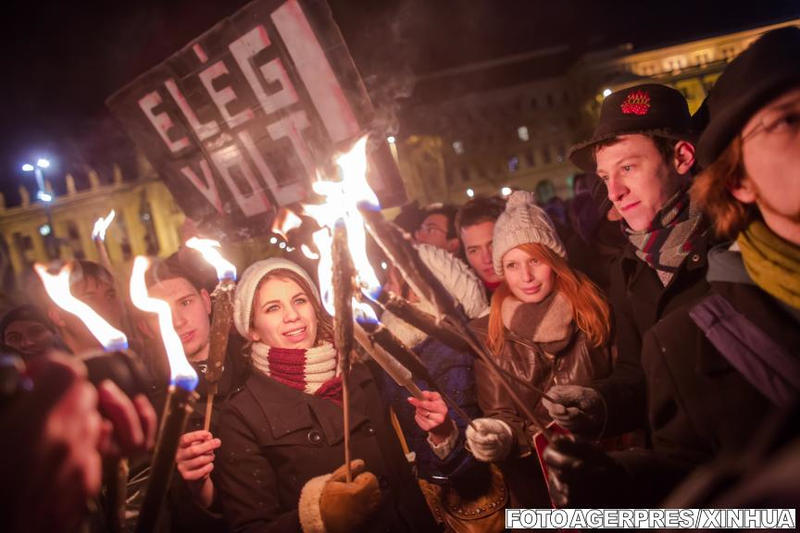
x: 649, y: 328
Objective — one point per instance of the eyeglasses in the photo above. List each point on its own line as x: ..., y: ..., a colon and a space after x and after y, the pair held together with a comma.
x: 430, y: 228
x: 783, y: 121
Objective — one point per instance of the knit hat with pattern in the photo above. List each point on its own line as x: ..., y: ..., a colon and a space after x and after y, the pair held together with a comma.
x: 523, y: 222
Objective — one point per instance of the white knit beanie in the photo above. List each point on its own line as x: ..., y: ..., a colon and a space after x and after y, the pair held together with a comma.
x: 523, y: 222
x: 246, y: 289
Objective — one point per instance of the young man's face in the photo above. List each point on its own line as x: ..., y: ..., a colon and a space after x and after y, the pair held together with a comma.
x: 433, y: 231
x: 477, y: 242
x: 190, y: 315
x: 638, y: 179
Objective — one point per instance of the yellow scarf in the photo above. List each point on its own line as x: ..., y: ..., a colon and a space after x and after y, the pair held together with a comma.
x: 772, y: 262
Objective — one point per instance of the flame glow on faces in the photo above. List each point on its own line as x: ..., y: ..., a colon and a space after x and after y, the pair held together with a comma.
x: 101, y: 225
x: 181, y: 372
x: 209, y: 249
x: 342, y: 201
x: 57, y: 287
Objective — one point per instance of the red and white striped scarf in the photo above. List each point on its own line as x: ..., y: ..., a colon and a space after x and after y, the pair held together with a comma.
x: 313, y: 371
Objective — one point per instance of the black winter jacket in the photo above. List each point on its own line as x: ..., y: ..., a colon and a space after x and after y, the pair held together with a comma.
x: 276, y: 438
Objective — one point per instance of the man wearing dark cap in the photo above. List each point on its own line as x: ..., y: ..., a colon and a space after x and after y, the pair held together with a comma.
x: 643, y: 151
x: 721, y: 365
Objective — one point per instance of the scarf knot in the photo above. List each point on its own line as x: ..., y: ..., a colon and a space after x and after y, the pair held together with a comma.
x: 313, y: 370
x: 671, y: 236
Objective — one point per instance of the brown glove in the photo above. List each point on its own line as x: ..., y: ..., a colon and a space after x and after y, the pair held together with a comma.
x: 346, y: 506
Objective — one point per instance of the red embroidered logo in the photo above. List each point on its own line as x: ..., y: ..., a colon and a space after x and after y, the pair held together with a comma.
x: 636, y: 103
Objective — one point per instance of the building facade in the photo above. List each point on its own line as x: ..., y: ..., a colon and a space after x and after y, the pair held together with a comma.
x: 147, y: 222
x: 517, y: 136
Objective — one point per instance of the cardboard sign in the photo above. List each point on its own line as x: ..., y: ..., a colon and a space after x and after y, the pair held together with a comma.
x: 239, y: 121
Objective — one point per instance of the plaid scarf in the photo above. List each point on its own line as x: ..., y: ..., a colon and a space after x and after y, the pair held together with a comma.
x: 671, y: 236
x: 313, y: 371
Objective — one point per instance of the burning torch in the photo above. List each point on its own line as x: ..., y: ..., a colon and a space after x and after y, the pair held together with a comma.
x: 113, y: 363
x: 99, y: 237
x: 221, y: 316
x: 179, y: 403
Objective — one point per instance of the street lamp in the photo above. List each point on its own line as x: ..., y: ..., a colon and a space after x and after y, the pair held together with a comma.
x: 45, y: 197
x: 41, y: 163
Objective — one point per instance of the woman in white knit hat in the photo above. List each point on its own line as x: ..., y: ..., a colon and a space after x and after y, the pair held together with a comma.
x: 282, y: 435
x: 548, y: 324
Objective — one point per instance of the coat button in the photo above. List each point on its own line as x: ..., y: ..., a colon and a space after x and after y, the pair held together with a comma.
x: 314, y: 437
x: 695, y: 258
x: 370, y: 430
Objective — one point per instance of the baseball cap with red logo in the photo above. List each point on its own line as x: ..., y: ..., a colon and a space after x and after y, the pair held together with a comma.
x: 650, y: 109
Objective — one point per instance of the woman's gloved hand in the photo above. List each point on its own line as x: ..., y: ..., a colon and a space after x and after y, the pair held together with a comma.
x: 492, y: 440
x: 330, y: 504
x: 581, y: 410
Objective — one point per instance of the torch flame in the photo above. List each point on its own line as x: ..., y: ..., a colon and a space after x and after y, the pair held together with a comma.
x: 57, y: 287
x: 209, y: 249
x: 363, y: 313
x: 308, y: 252
x: 342, y: 201
x: 101, y: 225
x: 286, y: 221
x: 181, y: 372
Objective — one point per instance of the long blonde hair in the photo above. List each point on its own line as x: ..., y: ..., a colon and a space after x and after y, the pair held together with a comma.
x: 589, y: 306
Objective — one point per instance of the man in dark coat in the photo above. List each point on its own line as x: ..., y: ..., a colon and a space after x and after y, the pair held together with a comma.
x: 643, y: 152
x: 192, y: 501
x: 722, y: 364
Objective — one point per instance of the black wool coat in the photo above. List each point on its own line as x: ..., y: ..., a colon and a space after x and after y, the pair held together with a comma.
x: 638, y: 300
x: 276, y: 438
x: 700, y: 405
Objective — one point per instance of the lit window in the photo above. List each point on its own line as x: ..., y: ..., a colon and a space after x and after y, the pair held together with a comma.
x: 458, y: 147
x: 522, y: 133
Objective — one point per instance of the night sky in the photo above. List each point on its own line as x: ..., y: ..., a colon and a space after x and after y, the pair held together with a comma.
x: 62, y: 59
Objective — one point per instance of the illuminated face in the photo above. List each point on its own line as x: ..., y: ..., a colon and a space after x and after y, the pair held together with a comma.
x: 477, y: 242
x: 529, y: 279
x: 28, y: 337
x: 771, y: 154
x: 433, y: 231
x: 190, y: 315
x: 283, y: 315
x: 638, y: 179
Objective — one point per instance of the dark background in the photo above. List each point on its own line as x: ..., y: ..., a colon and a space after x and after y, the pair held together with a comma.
x: 61, y: 60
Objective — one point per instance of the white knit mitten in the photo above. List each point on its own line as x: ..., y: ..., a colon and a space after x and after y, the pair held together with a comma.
x: 492, y: 440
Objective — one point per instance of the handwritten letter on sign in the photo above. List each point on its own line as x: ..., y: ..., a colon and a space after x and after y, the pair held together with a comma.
x: 239, y: 120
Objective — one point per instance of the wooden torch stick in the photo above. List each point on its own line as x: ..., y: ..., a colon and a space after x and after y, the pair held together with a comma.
x: 343, y: 272
x: 222, y: 316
